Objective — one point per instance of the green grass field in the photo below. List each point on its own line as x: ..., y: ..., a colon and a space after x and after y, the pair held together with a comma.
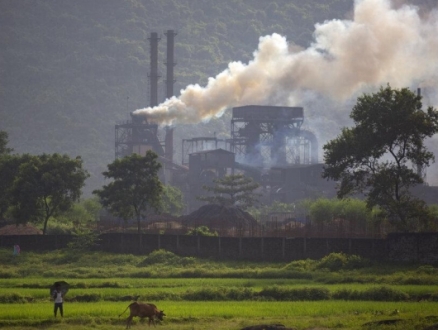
x: 224, y: 315
x: 300, y: 295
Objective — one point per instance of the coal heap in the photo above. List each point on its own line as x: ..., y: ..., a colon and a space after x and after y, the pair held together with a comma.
x: 214, y: 215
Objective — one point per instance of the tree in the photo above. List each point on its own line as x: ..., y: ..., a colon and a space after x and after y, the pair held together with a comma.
x: 382, y: 155
x: 172, y: 201
x: 135, y: 187
x: 9, y: 167
x: 83, y: 214
x: 233, y: 189
x: 45, y: 186
x: 4, y: 150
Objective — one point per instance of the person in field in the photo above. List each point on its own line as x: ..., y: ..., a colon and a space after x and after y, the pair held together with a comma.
x: 58, y: 298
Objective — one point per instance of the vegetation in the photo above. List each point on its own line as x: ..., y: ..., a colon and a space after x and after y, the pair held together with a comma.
x: 233, y: 190
x: 44, y: 186
x: 202, y: 231
x: 338, y: 289
x: 380, y: 156
x: 4, y: 150
x: 135, y: 187
x: 172, y: 201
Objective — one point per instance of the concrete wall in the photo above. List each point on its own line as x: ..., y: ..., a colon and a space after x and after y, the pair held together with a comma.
x: 415, y: 247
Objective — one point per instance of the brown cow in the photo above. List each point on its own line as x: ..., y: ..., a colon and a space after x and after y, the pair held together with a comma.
x: 143, y: 310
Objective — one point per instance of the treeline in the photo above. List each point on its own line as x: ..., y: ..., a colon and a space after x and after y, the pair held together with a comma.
x: 38, y: 188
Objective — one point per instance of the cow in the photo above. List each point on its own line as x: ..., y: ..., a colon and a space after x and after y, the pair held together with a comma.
x: 143, y: 310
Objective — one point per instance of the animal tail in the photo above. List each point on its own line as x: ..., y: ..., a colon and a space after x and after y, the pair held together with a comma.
x: 125, y: 310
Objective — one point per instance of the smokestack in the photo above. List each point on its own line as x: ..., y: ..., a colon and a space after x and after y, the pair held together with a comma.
x: 359, y: 55
x: 170, y: 63
x: 170, y: 34
x: 153, y: 74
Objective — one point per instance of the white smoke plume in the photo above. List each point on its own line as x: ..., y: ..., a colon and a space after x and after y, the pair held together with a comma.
x: 381, y: 45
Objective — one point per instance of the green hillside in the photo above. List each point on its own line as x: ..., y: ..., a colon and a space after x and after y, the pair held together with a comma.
x: 70, y: 70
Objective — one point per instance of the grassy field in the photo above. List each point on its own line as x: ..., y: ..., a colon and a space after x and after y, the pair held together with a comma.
x: 226, y: 315
x: 332, y: 293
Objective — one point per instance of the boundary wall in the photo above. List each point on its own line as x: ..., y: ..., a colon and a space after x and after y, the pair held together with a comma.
x: 412, y: 247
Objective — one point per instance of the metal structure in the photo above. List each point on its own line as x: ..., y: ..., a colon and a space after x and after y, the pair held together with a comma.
x: 194, y: 145
x: 137, y: 136
x: 267, y: 143
x: 170, y: 62
x: 153, y: 74
x: 271, y: 136
x: 170, y: 81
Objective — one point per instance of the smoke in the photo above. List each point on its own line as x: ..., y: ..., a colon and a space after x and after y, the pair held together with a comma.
x: 383, y: 44
x: 380, y: 45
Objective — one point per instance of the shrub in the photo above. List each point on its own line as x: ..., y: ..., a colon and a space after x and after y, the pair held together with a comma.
x: 333, y: 262
x: 312, y: 294
x: 8, y: 274
x: 218, y: 294
x: 301, y: 265
x: 84, y: 240
x: 382, y: 293
x: 338, y: 261
x: 206, y: 294
x: 12, y: 298
x: 92, y: 297
x: 160, y: 257
x: 427, y: 269
x: 202, y: 231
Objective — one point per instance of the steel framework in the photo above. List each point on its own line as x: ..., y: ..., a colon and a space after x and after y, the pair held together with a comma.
x: 271, y: 135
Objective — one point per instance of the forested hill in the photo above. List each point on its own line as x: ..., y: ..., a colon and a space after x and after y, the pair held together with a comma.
x: 71, y: 69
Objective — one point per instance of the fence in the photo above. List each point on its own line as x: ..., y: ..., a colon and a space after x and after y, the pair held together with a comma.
x: 420, y: 247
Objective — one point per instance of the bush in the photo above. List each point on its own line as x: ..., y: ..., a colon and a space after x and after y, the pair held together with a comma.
x: 218, y: 294
x: 84, y: 240
x: 301, y: 265
x: 382, y: 293
x: 333, y: 262
x: 92, y: 297
x: 160, y: 257
x: 8, y: 274
x: 338, y: 261
x: 202, y: 231
x: 13, y: 298
x: 282, y: 294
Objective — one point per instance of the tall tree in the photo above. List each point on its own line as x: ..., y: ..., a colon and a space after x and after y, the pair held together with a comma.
x: 4, y: 150
x: 235, y: 189
x: 9, y: 167
x: 135, y: 187
x: 382, y: 155
x: 45, y: 186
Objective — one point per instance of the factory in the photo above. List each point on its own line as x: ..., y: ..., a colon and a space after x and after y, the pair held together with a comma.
x: 267, y: 143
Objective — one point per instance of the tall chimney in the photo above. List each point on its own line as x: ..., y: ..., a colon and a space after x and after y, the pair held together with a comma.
x: 153, y: 74
x: 170, y: 34
x: 170, y: 63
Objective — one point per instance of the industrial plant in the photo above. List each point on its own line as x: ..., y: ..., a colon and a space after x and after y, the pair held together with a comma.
x: 267, y: 143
